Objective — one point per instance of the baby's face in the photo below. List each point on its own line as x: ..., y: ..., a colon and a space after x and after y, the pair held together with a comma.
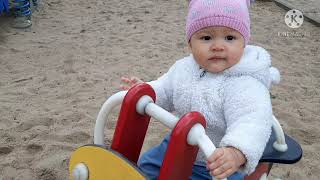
x: 217, y: 48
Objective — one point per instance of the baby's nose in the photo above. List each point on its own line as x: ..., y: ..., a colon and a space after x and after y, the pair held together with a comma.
x: 217, y: 47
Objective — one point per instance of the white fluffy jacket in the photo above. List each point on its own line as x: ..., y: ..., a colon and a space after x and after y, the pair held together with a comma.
x: 235, y: 103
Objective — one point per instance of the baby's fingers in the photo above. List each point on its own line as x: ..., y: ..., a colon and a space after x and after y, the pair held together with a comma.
x: 216, y: 155
x: 129, y: 82
x: 124, y: 87
x: 225, y: 174
x: 216, y: 164
x: 221, y: 169
x: 125, y: 79
x: 135, y: 80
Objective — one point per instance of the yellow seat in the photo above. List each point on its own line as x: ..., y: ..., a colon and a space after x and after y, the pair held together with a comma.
x: 104, y: 164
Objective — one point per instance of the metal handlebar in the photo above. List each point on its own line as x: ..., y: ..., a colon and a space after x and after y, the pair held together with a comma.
x: 280, y: 143
x: 107, y: 107
x: 146, y: 105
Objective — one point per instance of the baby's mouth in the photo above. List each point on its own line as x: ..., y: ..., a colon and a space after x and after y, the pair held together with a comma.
x: 216, y: 58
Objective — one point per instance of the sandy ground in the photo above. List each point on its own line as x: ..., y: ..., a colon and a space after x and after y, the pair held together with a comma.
x: 55, y: 76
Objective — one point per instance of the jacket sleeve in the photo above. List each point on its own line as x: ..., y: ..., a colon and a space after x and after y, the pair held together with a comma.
x: 164, y: 89
x: 248, y: 115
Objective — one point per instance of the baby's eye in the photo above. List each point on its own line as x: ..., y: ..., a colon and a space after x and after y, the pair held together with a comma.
x: 206, y: 38
x: 230, y: 38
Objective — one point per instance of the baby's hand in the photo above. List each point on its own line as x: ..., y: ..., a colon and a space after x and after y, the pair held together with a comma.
x: 129, y: 82
x: 225, y: 161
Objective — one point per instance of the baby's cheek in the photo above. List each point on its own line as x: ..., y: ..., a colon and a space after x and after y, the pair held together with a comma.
x: 235, y: 56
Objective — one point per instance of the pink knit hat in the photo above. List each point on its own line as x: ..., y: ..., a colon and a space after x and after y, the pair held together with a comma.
x: 229, y: 13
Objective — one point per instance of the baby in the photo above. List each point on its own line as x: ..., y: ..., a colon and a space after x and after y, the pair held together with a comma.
x: 227, y: 81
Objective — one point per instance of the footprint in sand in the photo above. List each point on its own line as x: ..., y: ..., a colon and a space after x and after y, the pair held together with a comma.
x: 5, y: 150
x: 76, y: 137
x: 68, y: 66
x: 46, y: 174
x: 34, y: 148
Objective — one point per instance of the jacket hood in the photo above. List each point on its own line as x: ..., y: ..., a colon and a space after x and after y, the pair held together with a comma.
x: 255, y: 62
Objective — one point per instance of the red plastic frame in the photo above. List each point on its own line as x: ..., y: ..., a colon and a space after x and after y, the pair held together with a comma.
x: 180, y: 156
x: 131, y: 126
